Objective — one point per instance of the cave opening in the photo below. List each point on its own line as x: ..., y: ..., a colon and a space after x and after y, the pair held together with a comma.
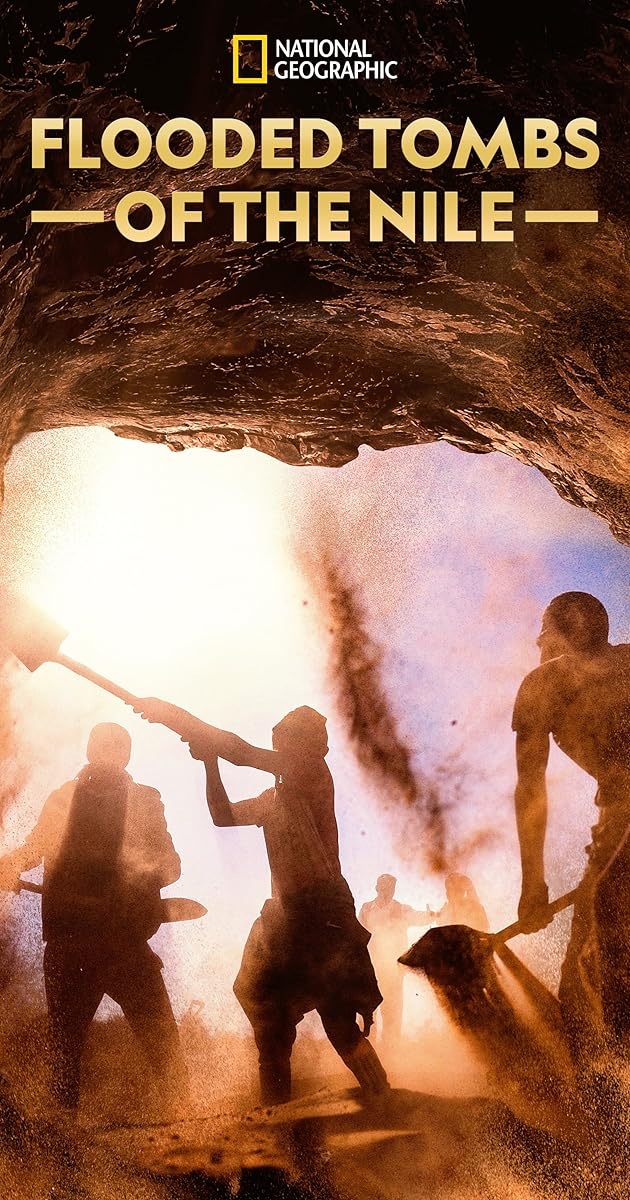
x: 240, y: 587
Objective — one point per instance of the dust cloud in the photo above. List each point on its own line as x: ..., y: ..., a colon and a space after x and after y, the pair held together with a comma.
x: 13, y: 758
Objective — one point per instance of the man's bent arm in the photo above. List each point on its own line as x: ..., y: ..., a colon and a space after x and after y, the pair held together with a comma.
x: 530, y: 803
x: 23, y: 858
x: 222, y: 811
x: 218, y: 804
x: 418, y: 916
x: 40, y: 841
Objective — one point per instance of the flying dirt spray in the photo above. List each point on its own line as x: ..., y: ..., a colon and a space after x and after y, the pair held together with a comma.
x: 422, y: 797
x: 356, y: 667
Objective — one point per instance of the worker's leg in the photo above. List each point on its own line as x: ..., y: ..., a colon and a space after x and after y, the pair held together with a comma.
x: 613, y: 939
x: 353, y: 1048
x: 391, y: 1010
x: 594, y: 985
x: 265, y: 993
x: 74, y: 989
x: 274, y: 1032
x: 135, y: 982
x: 580, y: 987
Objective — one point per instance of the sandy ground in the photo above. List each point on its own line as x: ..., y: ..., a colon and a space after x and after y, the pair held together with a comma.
x: 326, y: 1145
x: 457, y: 1139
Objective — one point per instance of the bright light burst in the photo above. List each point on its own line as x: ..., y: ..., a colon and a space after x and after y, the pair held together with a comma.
x: 167, y: 559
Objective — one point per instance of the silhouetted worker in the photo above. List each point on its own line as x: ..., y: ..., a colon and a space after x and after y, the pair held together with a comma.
x: 388, y: 921
x: 580, y: 695
x: 463, y: 906
x: 106, y: 852
x: 306, y: 950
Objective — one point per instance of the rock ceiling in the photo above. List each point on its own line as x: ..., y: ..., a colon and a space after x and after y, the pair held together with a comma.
x: 308, y: 351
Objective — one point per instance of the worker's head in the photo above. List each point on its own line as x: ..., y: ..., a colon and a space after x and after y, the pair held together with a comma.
x: 458, y: 887
x: 386, y: 886
x: 301, y: 734
x: 109, y: 746
x: 574, y: 621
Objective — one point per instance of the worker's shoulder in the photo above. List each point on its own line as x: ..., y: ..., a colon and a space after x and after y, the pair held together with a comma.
x: 262, y: 799
x: 540, y: 691
x: 55, y: 810
x: 542, y: 679
x: 620, y: 656
x: 61, y: 797
x: 610, y: 677
x: 142, y: 793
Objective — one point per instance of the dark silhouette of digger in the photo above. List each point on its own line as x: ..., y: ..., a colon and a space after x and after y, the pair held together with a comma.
x: 306, y: 950
x: 580, y: 696
x: 107, y: 853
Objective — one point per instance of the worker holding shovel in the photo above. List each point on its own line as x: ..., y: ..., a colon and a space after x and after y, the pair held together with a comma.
x: 306, y: 950
x: 580, y: 695
x: 106, y: 852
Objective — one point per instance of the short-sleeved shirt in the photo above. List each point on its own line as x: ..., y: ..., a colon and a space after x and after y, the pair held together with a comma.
x: 388, y: 923
x: 298, y: 822
x: 81, y: 864
x: 146, y: 844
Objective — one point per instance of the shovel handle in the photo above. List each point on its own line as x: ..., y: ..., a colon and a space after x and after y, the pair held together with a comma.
x: 100, y: 680
x: 516, y: 927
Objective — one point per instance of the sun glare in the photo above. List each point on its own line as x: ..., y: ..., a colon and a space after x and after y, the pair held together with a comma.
x: 142, y: 574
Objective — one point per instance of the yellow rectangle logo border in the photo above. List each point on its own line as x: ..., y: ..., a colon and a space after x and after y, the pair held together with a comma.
x: 249, y: 37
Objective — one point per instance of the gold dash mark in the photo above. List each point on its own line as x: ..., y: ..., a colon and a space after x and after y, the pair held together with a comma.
x: 567, y: 216
x: 67, y: 216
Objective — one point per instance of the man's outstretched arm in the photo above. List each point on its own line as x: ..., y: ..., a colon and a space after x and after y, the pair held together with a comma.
x: 206, y: 741
x: 530, y: 804
x: 418, y: 916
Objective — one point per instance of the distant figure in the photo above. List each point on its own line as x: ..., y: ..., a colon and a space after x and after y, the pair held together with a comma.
x: 106, y: 852
x: 306, y: 950
x: 463, y: 906
x: 580, y: 696
x: 388, y: 921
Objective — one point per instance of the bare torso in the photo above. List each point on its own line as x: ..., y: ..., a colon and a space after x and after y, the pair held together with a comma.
x: 584, y: 703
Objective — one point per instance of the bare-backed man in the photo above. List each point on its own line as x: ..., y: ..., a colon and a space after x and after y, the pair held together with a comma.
x: 580, y: 696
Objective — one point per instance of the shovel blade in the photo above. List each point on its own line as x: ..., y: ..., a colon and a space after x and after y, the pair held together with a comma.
x: 508, y: 1020
x: 179, y: 908
x: 448, y: 949
x: 28, y: 632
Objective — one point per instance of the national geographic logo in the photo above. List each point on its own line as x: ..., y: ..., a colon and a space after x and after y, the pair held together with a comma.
x: 297, y: 59
x: 249, y: 58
